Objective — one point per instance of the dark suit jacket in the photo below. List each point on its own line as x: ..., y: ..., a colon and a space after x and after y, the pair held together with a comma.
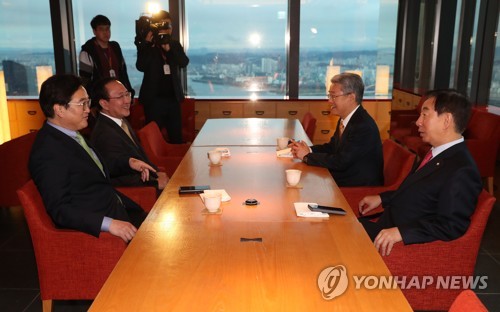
x: 150, y: 62
x: 435, y: 202
x: 356, y: 159
x: 75, y: 192
x: 115, y: 148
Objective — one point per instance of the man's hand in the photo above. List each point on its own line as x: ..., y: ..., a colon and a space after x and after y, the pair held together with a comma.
x: 299, y: 149
x: 166, y: 47
x: 124, y: 230
x: 369, y: 203
x: 142, y: 167
x: 386, y: 239
x: 162, y: 180
x: 149, y: 37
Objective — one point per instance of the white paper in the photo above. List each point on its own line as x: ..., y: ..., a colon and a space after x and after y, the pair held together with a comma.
x: 224, y: 195
x: 224, y: 151
x: 287, y: 152
x: 302, y: 210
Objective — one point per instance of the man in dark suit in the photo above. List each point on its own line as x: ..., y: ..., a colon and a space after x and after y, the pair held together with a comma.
x: 354, y: 153
x: 435, y: 201
x: 72, y: 180
x: 115, y: 140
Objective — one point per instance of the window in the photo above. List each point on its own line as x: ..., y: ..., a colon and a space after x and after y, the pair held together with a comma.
x: 495, y: 79
x: 346, y: 35
x: 26, y: 50
x: 236, y: 48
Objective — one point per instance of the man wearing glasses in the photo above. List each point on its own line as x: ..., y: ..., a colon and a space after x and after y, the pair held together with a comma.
x: 73, y: 181
x: 354, y: 153
x: 115, y: 140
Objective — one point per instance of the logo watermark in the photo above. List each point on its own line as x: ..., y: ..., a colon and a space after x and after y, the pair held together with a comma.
x: 333, y: 282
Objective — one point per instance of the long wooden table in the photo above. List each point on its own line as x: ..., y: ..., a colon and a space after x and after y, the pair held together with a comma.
x: 249, y: 132
x: 183, y: 260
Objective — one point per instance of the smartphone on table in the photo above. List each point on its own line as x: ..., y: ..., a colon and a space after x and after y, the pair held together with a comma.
x: 327, y: 209
x: 193, y: 189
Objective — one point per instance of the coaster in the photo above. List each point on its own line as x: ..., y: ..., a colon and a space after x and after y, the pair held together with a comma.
x: 298, y: 186
x: 206, y: 212
x: 212, y: 165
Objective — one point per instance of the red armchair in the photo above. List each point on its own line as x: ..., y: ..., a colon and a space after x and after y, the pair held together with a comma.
x: 14, y: 167
x: 440, y: 258
x: 403, y: 122
x: 164, y: 155
x: 309, y: 125
x: 467, y: 301
x: 188, y: 119
x: 398, y: 163
x: 137, y: 119
x: 483, y: 140
x: 71, y: 264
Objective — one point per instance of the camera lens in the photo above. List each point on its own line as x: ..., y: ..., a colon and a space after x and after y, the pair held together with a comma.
x: 163, y: 38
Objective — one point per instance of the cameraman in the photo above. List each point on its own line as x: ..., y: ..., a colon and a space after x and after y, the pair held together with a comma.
x: 160, y: 58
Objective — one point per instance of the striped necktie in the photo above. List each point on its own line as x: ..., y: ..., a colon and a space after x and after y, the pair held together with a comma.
x: 83, y: 143
x: 341, y: 128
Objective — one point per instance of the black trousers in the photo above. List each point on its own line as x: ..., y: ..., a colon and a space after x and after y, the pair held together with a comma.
x: 166, y: 112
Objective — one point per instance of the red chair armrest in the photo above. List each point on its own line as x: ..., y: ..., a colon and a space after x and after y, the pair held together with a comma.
x: 145, y: 196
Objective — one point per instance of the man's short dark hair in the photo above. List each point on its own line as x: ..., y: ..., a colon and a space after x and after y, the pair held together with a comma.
x: 100, y: 92
x: 451, y: 101
x: 350, y: 83
x: 58, y: 89
x: 100, y: 20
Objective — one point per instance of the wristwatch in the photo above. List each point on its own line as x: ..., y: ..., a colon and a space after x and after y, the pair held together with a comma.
x: 304, y: 159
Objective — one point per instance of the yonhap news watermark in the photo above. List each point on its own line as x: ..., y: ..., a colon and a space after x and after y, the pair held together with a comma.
x: 334, y: 280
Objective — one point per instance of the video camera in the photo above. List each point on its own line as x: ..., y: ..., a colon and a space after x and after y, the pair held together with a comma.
x: 146, y: 24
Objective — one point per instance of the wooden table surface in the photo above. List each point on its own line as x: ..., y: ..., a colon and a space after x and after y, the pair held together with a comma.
x: 183, y: 260
x: 249, y: 132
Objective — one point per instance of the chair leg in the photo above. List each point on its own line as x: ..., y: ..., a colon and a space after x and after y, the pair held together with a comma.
x: 47, y: 305
x: 489, y: 181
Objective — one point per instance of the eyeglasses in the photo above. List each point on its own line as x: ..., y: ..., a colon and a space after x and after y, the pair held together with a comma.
x: 127, y: 95
x: 84, y: 104
x: 332, y: 97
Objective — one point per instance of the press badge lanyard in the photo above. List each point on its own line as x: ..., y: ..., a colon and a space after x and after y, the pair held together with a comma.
x: 111, y: 70
x: 107, y: 55
x: 166, y: 67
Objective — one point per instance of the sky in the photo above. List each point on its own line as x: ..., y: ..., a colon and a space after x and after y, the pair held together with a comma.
x: 337, y: 24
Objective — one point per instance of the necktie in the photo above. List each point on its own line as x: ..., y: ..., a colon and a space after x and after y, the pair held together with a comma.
x: 341, y: 128
x: 127, y: 130
x: 82, y: 142
x: 426, y: 159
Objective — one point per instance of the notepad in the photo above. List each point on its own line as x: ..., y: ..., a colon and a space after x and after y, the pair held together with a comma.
x: 302, y: 210
x: 224, y: 195
x: 287, y: 152
x: 225, y: 152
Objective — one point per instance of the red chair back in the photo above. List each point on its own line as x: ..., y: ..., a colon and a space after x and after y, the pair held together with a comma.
x: 14, y: 155
x: 164, y: 155
x: 71, y: 264
x: 188, y: 119
x: 467, y: 301
x: 440, y: 259
x: 309, y: 125
x: 137, y: 119
x: 398, y: 163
